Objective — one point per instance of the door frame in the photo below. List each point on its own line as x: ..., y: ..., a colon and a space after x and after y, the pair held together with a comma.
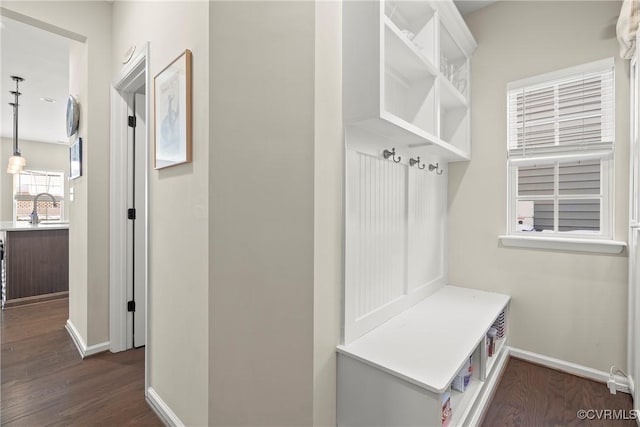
x: 133, y: 75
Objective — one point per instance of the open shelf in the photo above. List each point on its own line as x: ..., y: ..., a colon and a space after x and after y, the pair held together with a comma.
x: 417, y: 19
x: 404, y: 53
x: 462, y: 402
x: 453, y: 63
x: 454, y: 127
x: 450, y: 96
x: 491, y: 361
x: 392, y: 81
x: 501, y: 325
x: 409, y: 90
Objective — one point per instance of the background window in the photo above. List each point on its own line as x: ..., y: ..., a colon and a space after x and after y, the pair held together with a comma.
x: 27, y: 184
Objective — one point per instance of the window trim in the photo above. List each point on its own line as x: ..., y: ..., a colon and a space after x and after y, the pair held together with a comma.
x: 605, y: 246
x: 584, y: 242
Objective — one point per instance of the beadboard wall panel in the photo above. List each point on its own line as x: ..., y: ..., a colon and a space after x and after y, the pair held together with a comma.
x: 381, y: 246
x: 395, y: 237
x: 426, y: 224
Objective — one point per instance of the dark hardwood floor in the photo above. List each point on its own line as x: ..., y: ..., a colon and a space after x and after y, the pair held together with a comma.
x: 45, y: 382
x: 532, y: 395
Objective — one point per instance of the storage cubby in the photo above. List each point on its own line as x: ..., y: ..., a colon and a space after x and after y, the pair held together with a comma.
x: 453, y: 62
x: 454, y: 124
x: 493, y: 345
x: 409, y: 89
x: 416, y: 21
x: 462, y: 401
x: 394, y: 79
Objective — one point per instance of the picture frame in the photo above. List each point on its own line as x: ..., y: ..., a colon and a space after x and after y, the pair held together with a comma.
x: 172, y: 113
x: 75, y: 159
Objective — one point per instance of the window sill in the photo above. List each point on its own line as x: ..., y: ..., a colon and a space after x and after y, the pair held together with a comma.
x: 564, y: 244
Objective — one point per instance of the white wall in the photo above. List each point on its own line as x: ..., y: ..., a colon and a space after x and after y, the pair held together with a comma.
x: 178, y: 210
x: 39, y: 156
x: 261, y: 301
x: 90, y: 74
x: 571, y: 306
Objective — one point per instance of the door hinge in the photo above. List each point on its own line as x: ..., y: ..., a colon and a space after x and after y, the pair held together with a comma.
x: 131, y: 306
x: 132, y: 121
x: 131, y: 213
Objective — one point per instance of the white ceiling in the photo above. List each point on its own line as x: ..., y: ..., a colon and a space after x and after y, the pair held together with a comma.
x: 468, y: 6
x: 42, y: 59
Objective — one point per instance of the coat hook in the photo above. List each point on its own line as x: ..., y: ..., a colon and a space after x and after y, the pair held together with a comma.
x: 386, y: 154
x: 435, y: 167
x: 416, y: 161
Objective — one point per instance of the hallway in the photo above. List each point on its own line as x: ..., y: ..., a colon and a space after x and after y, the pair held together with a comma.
x: 45, y: 382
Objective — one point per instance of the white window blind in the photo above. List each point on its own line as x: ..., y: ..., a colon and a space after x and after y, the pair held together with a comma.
x: 566, y: 116
x: 560, y: 145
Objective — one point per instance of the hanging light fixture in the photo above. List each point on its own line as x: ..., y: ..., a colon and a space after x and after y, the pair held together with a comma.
x: 16, y: 162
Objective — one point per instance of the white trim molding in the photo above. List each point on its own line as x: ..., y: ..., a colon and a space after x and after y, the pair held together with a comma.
x: 564, y: 244
x: 82, y: 347
x: 622, y: 383
x: 162, y: 409
x: 130, y: 78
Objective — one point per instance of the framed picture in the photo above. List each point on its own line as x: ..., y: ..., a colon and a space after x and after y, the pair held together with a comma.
x: 75, y: 159
x: 172, y: 113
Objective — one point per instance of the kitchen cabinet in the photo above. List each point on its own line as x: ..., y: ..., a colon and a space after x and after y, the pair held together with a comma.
x: 36, y: 262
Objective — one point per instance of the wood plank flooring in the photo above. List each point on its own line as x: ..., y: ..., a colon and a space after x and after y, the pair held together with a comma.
x: 532, y: 395
x: 45, y: 382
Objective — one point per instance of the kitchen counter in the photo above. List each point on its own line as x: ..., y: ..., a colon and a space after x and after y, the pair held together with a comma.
x: 25, y: 226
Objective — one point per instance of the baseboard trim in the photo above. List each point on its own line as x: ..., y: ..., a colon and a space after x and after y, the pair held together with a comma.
x: 162, y: 409
x: 82, y: 347
x: 622, y: 383
x: 35, y: 299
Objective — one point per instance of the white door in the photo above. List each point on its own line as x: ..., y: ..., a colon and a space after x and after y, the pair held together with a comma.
x: 139, y: 296
x: 136, y: 229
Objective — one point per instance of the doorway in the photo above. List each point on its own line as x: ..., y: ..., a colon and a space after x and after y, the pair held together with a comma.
x: 128, y: 212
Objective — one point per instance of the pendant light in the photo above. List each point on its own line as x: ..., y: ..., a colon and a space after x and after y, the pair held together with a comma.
x: 16, y: 162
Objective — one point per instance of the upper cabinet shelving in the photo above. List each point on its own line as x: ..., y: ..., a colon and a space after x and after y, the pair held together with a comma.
x: 406, y: 74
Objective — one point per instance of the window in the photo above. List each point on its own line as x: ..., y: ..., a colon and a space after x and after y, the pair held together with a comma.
x: 560, y: 152
x: 27, y: 184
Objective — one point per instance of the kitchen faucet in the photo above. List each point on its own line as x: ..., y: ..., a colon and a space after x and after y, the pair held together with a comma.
x: 34, y: 215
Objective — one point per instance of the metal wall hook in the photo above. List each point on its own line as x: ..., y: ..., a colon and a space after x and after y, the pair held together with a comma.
x: 386, y: 154
x: 416, y: 161
x: 436, y: 168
